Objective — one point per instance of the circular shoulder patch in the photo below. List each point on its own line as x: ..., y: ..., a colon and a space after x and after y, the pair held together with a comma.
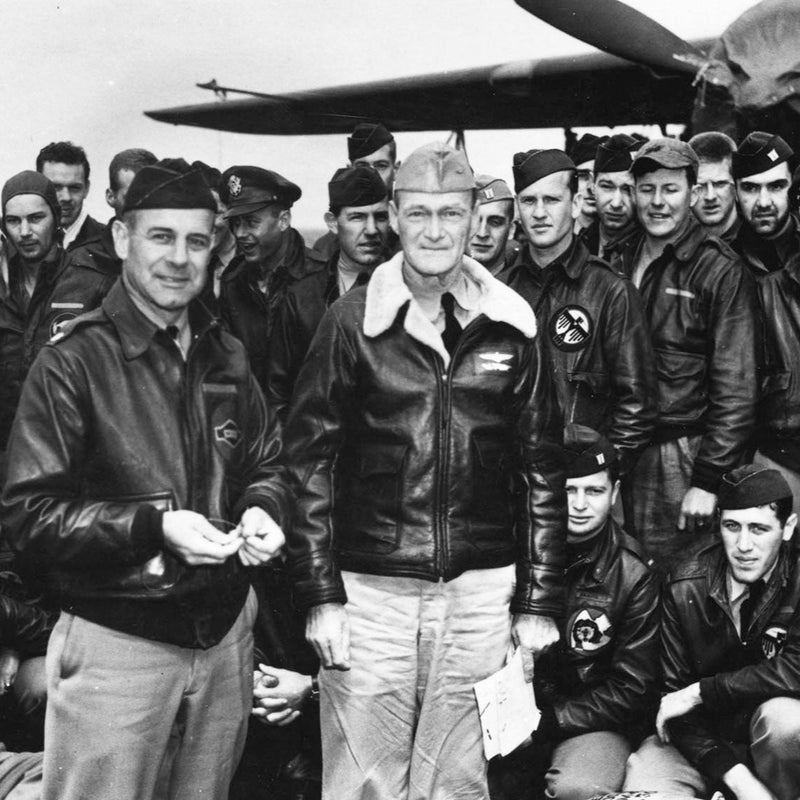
x: 571, y: 327
x: 589, y: 629
x: 59, y: 320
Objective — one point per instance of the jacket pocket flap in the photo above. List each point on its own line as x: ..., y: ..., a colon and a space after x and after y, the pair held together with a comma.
x: 490, y: 452
x: 596, y: 381
x: 384, y: 460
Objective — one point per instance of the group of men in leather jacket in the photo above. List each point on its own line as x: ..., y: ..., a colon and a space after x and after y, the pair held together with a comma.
x: 583, y: 441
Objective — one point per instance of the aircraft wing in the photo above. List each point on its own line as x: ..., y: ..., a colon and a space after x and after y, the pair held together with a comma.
x: 595, y: 89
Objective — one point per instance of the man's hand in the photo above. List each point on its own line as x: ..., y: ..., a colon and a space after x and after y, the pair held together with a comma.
x: 676, y: 704
x: 697, y: 510
x: 262, y: 537
x: 279, y: 694
x: 328, y: 632
x: 533, y: 634
x: 741, y: 781
x: 9, y: 664
x: 196, y: 541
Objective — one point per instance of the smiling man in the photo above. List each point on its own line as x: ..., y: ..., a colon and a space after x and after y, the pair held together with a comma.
x: 770, y: 234
x: 731, y: 645
x: 423, y: 443
x: 271, y: 257
x: 358, y: 216
x: 141, y: 431
x: 700, y: 303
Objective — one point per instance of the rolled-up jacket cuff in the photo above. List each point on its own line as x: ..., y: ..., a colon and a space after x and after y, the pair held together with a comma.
x: 706, y: 476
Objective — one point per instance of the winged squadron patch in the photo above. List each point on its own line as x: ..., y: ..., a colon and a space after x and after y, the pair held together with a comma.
x: 495, y: 361
x: 589, y: 630
x: 228, y: 433
x: 234, y: 185
x: 772, y: 641
x: 571, y: 327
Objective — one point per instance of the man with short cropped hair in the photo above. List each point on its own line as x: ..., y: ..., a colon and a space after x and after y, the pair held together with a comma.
x: 701, y: 309
x: 358, y: 215
x: 716, y: 208
x: 770, y: 234
x: 145, y: 445
x: 425, y: 451
x: 489, y: 243
x: 591, y: 315
x: 121, y: 171
x: 65, y: 164
x: 731, y: 639
x: 271, y: 257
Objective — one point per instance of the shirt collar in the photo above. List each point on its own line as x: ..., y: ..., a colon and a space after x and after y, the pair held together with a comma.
x: 71, y: 233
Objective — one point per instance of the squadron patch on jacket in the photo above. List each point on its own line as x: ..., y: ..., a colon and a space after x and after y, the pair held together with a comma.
x: 571, y: 327
x: 589, y: 630
x: 228, y: 433
x: 772, y: 641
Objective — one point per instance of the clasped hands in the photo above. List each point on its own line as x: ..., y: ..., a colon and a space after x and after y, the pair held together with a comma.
x: 196, y: 541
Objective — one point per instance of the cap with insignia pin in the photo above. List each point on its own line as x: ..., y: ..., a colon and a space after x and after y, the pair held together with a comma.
x: 246, y: 189
x: 491, y: 189
x: 435, y: 168
x: 587, y: 451
x: 758, y: 153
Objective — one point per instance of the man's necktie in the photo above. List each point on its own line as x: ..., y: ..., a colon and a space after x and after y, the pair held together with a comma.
x: 452, y: 330
x: 748, y: 607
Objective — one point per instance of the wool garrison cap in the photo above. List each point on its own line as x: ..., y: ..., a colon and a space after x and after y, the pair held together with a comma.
x: 435, y: 168
x: 491, y: 189
x: 248, y: 189
x: 367, y: 138
x: 616, y: 153
x: 750, y: 486
x: 759, y: 152
x: 586, y: 451
x: 355, y: 186
x: 159, y: 187
x: 666, y: 153
x: 585, y: 148
x: 30, y: 182
x: 533, y: 165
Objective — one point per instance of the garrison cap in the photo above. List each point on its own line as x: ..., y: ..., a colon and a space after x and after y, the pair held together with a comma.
x: 211, y: 174
x: 435, y: 168
x: 616, y: 153
x: 367, y: 138
x: 159, y: 187
x: 585, y: 148
x: 491, y: 189
x: 666, y: 153
x: 30, y: 182
x: 355, y: 186
x: 750, y: 486
x: 586, y: 451
x: 533, y: 165
x: 759, y: 152
x: 248, y: 189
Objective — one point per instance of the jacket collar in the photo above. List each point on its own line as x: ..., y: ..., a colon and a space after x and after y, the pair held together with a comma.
x: 135, y: 330
x: 477, y: 290
x: 293, y: 260
x: 687, y: 244
x: 603, y: 548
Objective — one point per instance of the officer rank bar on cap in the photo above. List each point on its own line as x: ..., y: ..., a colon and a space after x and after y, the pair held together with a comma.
x: 587, y: 451
x: 758, y: 153
x: 355, y: 186
x: 491, y: 189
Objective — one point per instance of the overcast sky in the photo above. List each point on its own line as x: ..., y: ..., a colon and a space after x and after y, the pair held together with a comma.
x: 85, y: 70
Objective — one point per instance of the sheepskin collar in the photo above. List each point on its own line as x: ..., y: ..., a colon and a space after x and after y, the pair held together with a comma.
x: 387, y: 293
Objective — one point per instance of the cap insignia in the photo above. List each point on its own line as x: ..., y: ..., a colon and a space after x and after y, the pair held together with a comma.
x: 235, y: 185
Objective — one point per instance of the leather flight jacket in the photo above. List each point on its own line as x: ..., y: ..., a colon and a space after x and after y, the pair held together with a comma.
x: 592, y: 321
x: 737, y: 673
x: 767, y: 254
x: 603, y: 673
x: 779, y: 406
x: 409, y: 463
x: 114, y: 429
x: 701, y: 307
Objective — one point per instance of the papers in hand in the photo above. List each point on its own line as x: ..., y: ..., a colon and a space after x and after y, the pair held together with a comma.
x: 507, y: 708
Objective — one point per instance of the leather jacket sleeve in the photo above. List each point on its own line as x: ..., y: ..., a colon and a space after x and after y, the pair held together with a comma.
x: 314, y: 435
x: 23, y: 626
x: 693, y: 734
x: 541, y: 527
x: 630, y: 689
x: 732, y: 381
x: 42, y: 497
x: 629, y: 353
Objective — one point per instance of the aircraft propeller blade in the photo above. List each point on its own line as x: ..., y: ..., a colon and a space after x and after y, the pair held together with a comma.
x: 617, y: 28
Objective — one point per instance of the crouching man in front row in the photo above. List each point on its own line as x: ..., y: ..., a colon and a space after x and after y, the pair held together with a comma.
x: 731, y: 646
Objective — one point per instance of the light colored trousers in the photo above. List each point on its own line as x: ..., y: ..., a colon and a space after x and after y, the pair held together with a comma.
x: 132, y: 719
x: 402, y: 723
